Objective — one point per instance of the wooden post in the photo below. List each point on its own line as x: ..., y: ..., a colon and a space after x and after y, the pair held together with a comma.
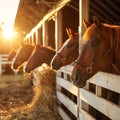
x: 36, y: 34
x: 32, y: 39
x: 83, y: 14
x: 45, y: 34
x: 58, y: 30
x: 0, y: 64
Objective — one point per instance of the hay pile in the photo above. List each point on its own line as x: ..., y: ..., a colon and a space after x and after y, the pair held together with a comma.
x: 44, y: 105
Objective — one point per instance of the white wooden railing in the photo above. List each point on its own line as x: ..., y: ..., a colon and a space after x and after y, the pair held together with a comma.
x: 86, y: 97
x: 3, y: 61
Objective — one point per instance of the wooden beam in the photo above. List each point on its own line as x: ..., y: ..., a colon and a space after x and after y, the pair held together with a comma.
x: 50, y: 13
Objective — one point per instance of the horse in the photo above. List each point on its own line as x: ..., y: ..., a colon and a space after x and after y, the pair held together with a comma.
x: 68, y: 52
x: 11, y: 55
x: 23, y: 54
x: 100, y: 48
x: 40, y: 55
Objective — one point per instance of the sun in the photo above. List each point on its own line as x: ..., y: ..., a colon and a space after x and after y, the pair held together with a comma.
x: 8, y: 34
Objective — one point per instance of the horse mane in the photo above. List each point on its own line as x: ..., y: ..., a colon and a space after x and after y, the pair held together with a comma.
x: 50, y: 48
x: 116, y: 38
x: 47, y: 48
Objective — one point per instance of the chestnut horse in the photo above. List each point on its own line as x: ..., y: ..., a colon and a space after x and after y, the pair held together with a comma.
x: 11, y: 55
x: 100, y: 48
x: 68, y: 52
x: 22, y: 55
x: 40, y: 55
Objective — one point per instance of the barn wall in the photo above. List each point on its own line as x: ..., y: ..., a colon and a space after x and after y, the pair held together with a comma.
x: 70, y: 20
x: 51, y: 33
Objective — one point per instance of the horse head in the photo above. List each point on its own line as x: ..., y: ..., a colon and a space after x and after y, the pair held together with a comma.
x: 22, y: 55
x: 40, y: 55
x: 95, y: 53
x: 68, y: 52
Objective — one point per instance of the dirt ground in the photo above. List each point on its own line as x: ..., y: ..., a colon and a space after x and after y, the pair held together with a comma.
x: 15, y: 91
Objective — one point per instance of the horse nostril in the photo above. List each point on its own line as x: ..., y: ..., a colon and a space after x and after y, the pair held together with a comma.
x: 27, y: 70
x: 14, y: 67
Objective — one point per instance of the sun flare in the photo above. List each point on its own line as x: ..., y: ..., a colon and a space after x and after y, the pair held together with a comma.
x: 8, y: 33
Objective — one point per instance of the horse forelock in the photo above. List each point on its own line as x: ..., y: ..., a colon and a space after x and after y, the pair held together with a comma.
x: 89, y: 33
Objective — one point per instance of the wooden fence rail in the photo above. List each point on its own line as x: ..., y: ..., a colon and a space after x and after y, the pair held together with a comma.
x: 3, y: 61
x: 86, y: 98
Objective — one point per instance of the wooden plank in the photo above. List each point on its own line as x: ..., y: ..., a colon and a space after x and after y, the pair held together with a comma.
x: 67, y: 85
x: 68, y: 103
x: 107, y: 80
x: 4, y: 59
x: 63, y: 114
x: 67, y: 69
x: 45, y: 33
x: 58, y: 30
x: 106, y: 107
x: 83, y: 115
x: 4, y: 63
x: 4, y: 55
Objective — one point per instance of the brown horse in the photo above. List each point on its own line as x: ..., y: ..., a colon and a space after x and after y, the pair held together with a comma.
x: 11, y: 55
x: 100, y: 48
x: 40, y: 55
x: 68, y: 52
x: 22, y: 55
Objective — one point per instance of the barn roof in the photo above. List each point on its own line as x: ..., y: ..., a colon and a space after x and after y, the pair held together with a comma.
x: 30, y: 12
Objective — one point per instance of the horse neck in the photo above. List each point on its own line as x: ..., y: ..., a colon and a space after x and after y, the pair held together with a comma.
x: 116, y: 49
x: 30, y: 51
x: 51, y: 52
x: 31, y: 48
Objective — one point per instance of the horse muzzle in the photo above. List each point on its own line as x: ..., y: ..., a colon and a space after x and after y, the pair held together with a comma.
x: 27, y: 70
x: 15, y: 66
x: 55, y: 66
x: 78, y: 79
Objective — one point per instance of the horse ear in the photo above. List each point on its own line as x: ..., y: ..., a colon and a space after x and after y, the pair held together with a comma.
x: 86, y: 23
x: 69, y: 32
x: 96, y: 21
